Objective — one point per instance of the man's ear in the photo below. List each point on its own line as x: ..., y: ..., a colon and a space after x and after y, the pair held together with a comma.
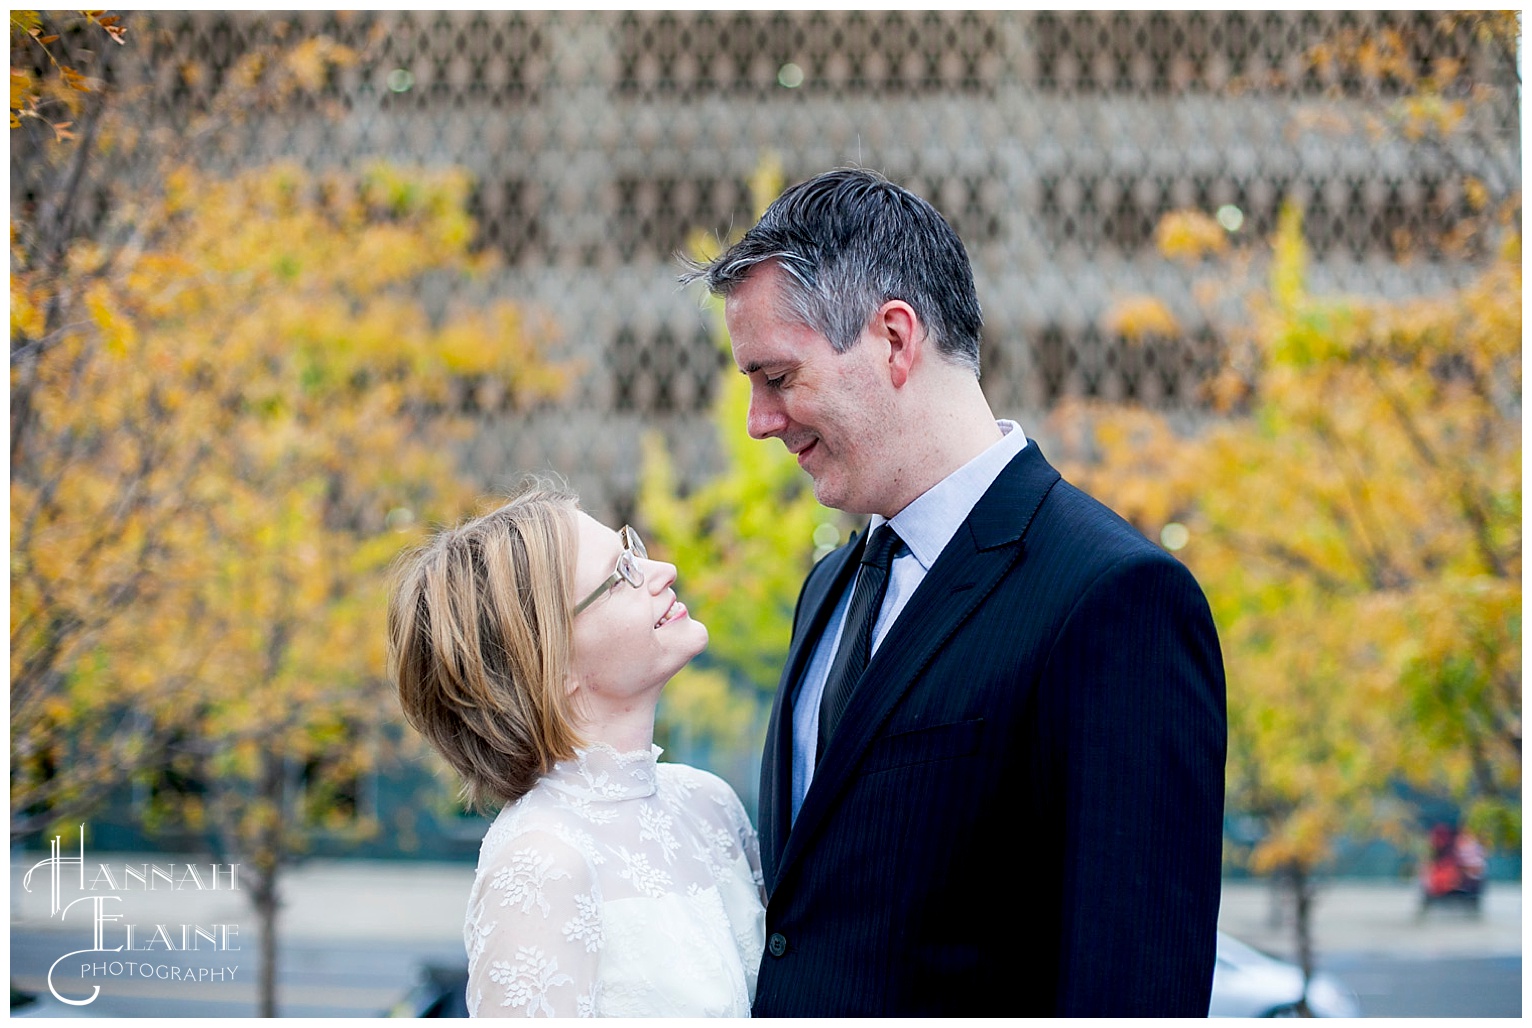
x: 897, y: 323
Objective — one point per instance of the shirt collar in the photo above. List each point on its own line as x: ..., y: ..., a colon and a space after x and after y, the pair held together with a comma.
x: 930, y: 521
x: 599, y: 772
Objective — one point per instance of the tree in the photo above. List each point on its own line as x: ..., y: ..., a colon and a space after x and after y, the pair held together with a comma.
x: 227, y: 420
x: 743, y: 541
x: 1355, y: 521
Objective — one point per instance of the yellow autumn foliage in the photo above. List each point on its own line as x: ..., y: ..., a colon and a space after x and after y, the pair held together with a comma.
x: 208, y: 454
x: 1358, y: 533
x: 1190, y: 236
x: 1137, y: 318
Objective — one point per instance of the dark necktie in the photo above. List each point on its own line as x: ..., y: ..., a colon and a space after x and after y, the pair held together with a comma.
x: 856, y: 639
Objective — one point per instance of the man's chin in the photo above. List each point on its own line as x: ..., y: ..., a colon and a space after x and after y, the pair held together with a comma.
x: 833, y: 494
x: 824, y: 492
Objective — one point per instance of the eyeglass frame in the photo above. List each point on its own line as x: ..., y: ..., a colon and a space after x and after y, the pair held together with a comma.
x: 627, y: 569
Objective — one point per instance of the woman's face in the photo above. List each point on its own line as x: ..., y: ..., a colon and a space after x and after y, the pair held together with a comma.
x: 628, y: 642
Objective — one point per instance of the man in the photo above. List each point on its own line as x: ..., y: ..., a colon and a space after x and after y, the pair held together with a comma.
x: 993, y: 778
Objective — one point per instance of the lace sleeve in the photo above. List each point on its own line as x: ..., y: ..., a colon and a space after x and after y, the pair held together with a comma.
x: 534, y: 931
x: 739, y: 829
x: 750, y: 842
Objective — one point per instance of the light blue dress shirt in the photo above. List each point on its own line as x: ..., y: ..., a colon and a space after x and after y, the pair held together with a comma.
x: 926, y: 526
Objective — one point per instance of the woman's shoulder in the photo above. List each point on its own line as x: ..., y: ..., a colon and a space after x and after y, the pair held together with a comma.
x: 538, y: 823
x: 701, y: 790
x: 689, y: 778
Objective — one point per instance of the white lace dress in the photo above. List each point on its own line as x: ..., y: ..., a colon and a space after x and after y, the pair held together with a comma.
x: 617, y: 887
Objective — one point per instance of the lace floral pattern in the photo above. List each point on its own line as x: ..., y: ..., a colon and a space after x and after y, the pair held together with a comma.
x: 521, y: 882
x: 618, y: 886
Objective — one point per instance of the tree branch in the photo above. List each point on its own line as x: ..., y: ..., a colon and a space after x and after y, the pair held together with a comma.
x: 1471, y: 506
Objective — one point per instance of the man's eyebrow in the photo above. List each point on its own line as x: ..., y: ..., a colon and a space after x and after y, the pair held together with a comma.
x: 751, y: 368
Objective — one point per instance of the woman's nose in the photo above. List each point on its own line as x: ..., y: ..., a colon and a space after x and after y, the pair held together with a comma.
x: 658, y: 575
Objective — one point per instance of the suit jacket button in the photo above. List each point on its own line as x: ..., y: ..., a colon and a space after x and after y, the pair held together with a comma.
x: 777, y: 944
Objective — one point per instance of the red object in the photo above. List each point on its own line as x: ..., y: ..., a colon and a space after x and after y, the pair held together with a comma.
x: 1443, y: 876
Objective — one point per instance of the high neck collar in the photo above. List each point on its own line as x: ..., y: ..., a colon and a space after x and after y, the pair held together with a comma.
x: 599, y: 772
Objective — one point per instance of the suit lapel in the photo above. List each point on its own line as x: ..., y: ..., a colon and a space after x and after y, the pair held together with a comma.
x: 825, y: 585
x: 980, y: 554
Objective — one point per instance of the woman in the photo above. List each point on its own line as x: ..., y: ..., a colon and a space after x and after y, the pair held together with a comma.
x: 530, y: 646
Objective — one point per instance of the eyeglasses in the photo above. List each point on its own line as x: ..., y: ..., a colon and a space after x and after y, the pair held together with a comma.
x: 627, y: 569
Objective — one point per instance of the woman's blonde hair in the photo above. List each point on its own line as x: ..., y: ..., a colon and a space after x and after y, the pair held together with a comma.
x: 479, y: 640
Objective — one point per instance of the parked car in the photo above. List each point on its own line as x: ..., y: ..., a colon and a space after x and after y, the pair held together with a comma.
x: 1249, y: 983
x: 439, y: 992
x: 25, y: 1003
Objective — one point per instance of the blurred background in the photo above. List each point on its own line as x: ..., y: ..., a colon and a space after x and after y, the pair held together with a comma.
x: 289, y: 290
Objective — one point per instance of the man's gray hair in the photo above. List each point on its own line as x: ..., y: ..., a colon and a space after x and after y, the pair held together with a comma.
x: 849, y: 241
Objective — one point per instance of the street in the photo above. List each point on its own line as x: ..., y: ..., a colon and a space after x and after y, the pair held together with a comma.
x: 356, y: 935
x: 1432, y: 986
x: 352, y: 979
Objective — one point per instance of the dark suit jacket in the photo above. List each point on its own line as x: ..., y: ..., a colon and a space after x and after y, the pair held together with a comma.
x: 1021, y: 811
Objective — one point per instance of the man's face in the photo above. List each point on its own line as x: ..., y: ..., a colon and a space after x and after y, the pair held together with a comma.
x: 833, y: 411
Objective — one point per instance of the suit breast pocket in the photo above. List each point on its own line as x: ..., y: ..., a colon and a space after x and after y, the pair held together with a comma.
x: 924, y: 746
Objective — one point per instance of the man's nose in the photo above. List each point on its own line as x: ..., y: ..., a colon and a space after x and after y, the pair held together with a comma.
x: 765, y: 418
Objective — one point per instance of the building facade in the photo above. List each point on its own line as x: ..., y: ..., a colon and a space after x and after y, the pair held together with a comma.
x: 600, y: 143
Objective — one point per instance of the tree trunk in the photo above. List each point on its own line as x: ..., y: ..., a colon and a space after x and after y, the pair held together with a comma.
x: 1303, y: 907
x: 266, y: 917
x: 268, y: 858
